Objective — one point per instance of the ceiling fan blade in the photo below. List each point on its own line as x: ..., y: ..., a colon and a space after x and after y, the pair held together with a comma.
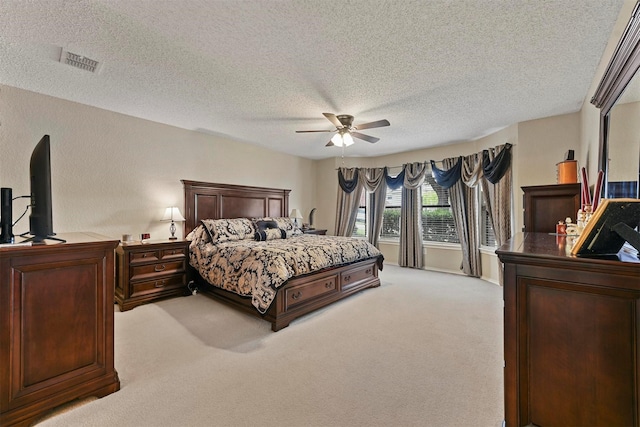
x: 306, y: 131
x: 376, y: 124
x: 333, y: 119
x: 330, y: 144
x: 367, y: 138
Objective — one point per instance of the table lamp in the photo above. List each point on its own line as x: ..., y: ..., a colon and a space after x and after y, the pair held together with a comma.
x: 172, y: 214
x: 295, y: 215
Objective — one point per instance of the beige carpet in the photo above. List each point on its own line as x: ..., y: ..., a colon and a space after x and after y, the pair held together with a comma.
x: 424, y: 349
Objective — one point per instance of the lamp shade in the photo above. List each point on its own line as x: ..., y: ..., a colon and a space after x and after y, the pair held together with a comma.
x: 172, y: 214
x: 295, y: 214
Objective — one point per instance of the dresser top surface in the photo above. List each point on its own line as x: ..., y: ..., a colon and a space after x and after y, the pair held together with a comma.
x: 70, y: 239
x: 551, y: 246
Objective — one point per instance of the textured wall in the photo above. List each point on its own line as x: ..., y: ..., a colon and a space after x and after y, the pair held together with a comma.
x: 115, y: 174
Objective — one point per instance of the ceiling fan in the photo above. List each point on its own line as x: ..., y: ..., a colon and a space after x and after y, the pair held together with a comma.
x: 346, y: 131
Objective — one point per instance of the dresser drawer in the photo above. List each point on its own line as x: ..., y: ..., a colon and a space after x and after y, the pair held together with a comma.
x: 157, y: 285
x: 158, y: 269
x: 297, y: 295
x: 351, y: 278
x: 145, y: 256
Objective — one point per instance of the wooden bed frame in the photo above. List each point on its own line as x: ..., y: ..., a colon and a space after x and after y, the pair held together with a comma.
x: 300, y: 295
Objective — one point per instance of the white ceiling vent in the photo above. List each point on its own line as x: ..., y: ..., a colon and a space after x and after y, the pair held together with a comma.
x: 79, y: 61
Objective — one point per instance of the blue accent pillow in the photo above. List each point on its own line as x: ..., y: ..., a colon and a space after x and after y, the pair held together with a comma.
x: 270, y: 234
x: 262, y: 225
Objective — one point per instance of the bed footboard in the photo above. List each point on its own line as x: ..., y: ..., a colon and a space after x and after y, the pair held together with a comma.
x: 302, y: 295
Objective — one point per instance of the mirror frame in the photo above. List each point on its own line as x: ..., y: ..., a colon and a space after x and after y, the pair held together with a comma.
x: 623, y: 65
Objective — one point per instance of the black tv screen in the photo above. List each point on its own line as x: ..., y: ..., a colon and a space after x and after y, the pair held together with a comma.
x: 41, y: 218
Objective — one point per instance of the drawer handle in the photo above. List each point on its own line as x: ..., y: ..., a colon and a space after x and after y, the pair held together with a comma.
x: 144, y: 255
x: 328, y: 285
x: 159, y: 267
x: 368, y: 271
x: 296, y: 295
x: 159, y: 284
x: 347, y: 278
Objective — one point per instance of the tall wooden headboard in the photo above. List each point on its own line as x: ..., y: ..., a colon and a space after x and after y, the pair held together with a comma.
x: 205, y: 200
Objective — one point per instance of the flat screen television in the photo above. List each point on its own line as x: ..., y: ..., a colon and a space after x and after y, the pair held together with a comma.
x: 41, y: 218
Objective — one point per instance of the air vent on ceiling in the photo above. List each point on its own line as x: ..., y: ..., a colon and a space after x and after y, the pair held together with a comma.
x: 79, y: 61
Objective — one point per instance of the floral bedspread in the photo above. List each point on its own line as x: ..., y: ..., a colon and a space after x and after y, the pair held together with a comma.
x: 258, y: 268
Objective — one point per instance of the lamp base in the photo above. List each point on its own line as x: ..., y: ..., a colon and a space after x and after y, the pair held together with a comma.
x: 172, y: 230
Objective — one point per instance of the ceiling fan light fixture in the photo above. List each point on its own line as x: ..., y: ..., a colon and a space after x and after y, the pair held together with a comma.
x: 347, y: 139
x: 346, y: 131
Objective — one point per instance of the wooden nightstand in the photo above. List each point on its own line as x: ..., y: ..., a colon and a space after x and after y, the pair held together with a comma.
x: 315, y: 231
x: 149, y: 271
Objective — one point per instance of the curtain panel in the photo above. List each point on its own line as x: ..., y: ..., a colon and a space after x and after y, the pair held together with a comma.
x: 374, y: 182
x: 498, y: 199
x: 498, y: 195
x: 347, y: 206
x: 411, y: 254
x: 465, y: 208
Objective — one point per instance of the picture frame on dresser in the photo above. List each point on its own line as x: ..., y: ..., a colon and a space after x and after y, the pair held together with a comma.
x: 612, y: 224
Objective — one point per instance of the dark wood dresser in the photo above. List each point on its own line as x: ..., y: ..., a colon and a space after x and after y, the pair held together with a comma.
x: 56, y: 325
x: 545, y: 205
x: 571, y: 329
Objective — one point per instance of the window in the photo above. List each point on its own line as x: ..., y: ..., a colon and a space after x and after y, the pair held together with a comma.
x: 391, y: 217
x: 360, y: 230
x: 487, y: 237
x: 437, y: 217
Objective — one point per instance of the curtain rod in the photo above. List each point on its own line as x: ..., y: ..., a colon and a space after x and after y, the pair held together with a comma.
x: 426, y: 161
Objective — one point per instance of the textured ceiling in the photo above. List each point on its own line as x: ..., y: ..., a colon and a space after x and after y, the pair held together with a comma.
x: 257, y: 70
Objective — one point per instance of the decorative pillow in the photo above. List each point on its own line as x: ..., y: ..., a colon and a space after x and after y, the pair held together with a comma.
x: 226, y: 230
x: 270, y: 234
x: 286, y: 223
x: 200, y: 233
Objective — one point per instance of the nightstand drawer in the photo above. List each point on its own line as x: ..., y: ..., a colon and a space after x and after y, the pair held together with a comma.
x: 146, y: 256
x: 156, y: 270
x: 158, y: 285
x: 172, y: 253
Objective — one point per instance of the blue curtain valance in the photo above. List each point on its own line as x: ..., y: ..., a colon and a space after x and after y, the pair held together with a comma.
x: 347, y: 185
x: 495, y: 170
x: 447, y: 178
x: 394, y: 183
